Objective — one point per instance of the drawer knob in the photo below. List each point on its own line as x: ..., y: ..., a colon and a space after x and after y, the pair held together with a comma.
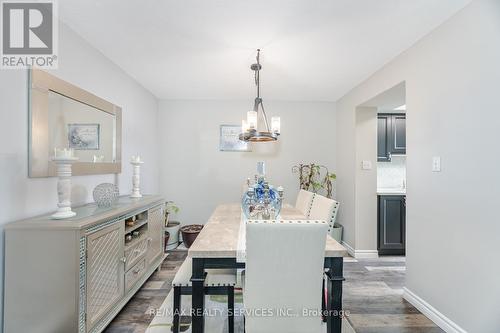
x: 123, y: 259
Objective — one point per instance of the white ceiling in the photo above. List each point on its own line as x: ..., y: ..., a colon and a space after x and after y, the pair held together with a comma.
x: 202, y: 49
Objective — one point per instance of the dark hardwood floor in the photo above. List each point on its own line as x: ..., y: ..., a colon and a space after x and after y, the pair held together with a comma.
x: 136, y: 315
x: 372, y: 297
x: 373, y: 293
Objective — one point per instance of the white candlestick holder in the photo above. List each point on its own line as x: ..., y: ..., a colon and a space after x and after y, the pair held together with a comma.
x: 136, y: 178
x: 64, y: 187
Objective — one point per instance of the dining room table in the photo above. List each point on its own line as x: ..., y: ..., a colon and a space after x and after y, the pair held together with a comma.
x: 221, y: 244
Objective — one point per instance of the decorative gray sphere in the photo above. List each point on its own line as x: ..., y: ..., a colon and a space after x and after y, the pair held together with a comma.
x: 105, y: 194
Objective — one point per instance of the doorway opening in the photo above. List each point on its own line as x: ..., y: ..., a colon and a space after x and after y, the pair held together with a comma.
x: 381, y: 136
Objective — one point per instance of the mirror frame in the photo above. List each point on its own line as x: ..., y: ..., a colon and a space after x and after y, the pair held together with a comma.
x: 40, y: 83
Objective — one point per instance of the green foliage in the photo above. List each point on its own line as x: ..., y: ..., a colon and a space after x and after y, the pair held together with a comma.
x: 316, y: 178
x: 171, y: 208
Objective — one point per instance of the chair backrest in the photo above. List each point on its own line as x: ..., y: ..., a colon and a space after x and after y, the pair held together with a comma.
x: 326, y: 209
x: 304, y: 201
x: 283, y: 276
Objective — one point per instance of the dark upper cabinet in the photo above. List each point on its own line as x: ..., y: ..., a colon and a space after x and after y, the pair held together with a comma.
x: 391, y: 136
x: 391, y: 224
x: 398, y: 144
x: 383, y: 132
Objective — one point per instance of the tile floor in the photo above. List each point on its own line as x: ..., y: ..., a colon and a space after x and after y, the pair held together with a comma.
x: 372, y: 295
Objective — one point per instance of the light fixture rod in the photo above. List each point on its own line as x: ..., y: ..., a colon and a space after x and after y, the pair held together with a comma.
x: 256, y: 68
x: 258, y: 101
x: 265, y: 115
x: 257, y: 73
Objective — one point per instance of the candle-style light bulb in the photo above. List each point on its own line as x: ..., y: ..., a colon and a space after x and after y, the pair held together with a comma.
x: 276, y: 124
x: 244, y: 126
x: 252, y: 119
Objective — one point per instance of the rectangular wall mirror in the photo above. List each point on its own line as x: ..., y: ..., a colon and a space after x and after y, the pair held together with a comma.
x: 65, y: 116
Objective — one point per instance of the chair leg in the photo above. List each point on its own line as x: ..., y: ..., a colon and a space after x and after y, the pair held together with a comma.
x: 177, y: 309
x: 230, y: 309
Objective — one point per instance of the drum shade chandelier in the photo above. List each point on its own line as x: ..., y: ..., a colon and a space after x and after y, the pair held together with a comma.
x: 250, y: 126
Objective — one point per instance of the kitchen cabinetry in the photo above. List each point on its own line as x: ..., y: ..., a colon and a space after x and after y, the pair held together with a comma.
x: 391, y: 224
x: 391, y: 136
x: 383, y: 133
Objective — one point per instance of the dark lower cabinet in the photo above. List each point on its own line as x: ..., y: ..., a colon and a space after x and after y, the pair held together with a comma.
x: 391, y: 224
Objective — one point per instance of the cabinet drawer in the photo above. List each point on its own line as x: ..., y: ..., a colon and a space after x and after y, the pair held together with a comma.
x: 135, y: 252
x: 134, y: 274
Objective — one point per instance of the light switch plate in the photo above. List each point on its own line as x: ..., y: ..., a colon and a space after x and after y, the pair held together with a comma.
x: 366, y: 165
x: 436, y: 164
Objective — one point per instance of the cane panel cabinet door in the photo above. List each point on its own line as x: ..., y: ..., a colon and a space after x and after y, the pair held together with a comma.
x: 105, y: 271
x: 156, y: 233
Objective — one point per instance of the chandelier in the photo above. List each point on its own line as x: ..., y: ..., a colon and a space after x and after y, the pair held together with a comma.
x: 250, y: 126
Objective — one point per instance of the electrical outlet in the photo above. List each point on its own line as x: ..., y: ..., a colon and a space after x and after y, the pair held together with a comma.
x: 366, y: 165
x: 436, y: 164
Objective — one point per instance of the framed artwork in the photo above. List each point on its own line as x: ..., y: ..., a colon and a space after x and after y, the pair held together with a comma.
x: 230, y: 141
x: 84, y: 136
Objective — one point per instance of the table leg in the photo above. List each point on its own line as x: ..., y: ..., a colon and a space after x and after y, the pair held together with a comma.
x: 323, y: 301
x: 335, y: 277
x: 198, y: 295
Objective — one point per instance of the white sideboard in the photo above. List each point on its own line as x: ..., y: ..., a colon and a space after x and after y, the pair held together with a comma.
x: 75, y: 275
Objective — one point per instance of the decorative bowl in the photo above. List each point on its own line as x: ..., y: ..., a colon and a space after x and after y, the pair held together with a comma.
x: 105, y: 194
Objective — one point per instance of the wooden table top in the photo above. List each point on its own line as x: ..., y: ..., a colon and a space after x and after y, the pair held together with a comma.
x: 219, y: 237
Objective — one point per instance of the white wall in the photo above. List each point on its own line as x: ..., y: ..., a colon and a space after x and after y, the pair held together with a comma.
x: 452, y: 87
x: 366, y: 181
x: 197, y: 176
x: 83, y: 66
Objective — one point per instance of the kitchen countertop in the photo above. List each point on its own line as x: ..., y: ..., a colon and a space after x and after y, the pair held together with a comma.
x: 391, y: 191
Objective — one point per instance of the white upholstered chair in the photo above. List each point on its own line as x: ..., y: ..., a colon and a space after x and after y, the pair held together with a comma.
x: 217, y: 282
x: 326, y: 209
x: 281, y: 275
x: 304, y: 201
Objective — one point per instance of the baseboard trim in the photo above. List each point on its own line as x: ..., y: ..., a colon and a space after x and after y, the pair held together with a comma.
x: 430, y: 312
x: 349, y: 249
x: 366, y: 254
x: 360, y: 254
